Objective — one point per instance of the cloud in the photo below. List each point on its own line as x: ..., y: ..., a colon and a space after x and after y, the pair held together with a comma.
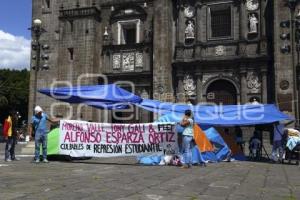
x: 14, y: 51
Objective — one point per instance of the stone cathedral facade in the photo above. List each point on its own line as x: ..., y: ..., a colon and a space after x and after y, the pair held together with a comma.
x: 220, y: 51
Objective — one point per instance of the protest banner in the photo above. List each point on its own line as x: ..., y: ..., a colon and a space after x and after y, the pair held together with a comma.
x: 88, y: 139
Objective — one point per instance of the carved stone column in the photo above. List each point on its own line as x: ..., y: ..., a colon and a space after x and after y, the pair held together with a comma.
x: 244, y: 89
x: 180, y: 92
x: 264, y: 88
x: 162, y: 43
x: 243, y: 21
x: 263, y: 18
x: 199, y: 77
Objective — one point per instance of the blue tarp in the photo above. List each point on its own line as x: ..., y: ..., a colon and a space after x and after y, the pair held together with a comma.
x: 213, y: 136
x: 222, y: 150
x: 94, y: 95
x: 113, y: 97
x: 223, y: 115
x: 107, y: 105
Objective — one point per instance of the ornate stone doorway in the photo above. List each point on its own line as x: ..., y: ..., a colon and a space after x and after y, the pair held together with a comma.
x: 221, y: 92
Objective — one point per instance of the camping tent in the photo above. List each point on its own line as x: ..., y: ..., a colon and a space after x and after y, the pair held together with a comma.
x: 222, y: 150
x: 197, y: 157
x: 199, y: 154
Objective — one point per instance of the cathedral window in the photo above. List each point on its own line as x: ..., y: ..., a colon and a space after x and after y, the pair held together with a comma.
x: 71, y: 53
x: 129, y: 32
x: 71, y: 25
x: 47, y: 3
x: 220, y: 21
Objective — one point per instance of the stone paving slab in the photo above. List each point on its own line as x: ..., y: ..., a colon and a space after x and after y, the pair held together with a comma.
x: 121, y: 178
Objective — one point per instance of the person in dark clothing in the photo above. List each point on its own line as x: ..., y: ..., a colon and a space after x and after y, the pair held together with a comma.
x: 239, y: 138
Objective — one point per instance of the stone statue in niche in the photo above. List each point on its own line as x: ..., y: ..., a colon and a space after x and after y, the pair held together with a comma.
x: 190, y: 30
x: 189, y: 85
x: 253, y: 21
x: 144, y: 94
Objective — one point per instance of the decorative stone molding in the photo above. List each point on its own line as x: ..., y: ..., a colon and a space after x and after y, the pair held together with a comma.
x: 284, y: 85
x: 117, y: 61
x: 189, y: 85
x: 252, y: 5
x: 189, y: 11
x: 139, y: 59
x: 80, y: 13
x: 220, y: 50
x: 128, y: 62
x: 210, y: 78
x: 253, y: 82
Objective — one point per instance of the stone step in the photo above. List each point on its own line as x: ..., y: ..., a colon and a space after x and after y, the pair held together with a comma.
x: 28, y: 149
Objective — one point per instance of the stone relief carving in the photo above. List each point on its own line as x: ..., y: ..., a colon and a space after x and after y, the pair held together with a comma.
x: 189, y: 85
x: 207, y: 77
x: 190, y: 30
x: 220, y: 50
x: 139, y: 59
x: 284, y: 85
x: 189, y: 12
x: 252, y: 5
x: 128, y: 62
x: 253, y: 21
x: 116, y: 61
x: 253, y: 82
x: 144, y: 94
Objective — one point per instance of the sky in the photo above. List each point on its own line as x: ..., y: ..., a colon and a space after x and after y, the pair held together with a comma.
x: 15, y: 38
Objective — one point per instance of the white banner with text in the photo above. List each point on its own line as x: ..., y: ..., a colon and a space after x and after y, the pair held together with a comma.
x: 88, y: 139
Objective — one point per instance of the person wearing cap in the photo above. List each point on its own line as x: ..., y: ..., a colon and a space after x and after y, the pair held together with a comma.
x: 39, y: 126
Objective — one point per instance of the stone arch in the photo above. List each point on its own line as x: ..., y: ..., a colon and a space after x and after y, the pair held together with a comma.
x: 229, y: 94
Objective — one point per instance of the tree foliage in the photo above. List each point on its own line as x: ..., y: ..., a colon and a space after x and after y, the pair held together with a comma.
x: 14, y: 92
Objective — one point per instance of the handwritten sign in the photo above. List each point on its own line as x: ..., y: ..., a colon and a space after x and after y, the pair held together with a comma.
x: 80, y: 138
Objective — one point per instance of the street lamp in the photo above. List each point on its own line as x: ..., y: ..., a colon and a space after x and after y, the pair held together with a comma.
x: 37, y: 30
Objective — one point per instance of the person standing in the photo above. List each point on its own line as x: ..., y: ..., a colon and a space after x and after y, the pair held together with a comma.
x: 10, y: 135
x: 239, y: 138
x: 39, y: 127
x: 188, y: 135
x: 277, y: 142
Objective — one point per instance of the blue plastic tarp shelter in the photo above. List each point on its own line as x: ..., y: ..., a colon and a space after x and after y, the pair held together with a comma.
x: 223, y: 115
x: 197, y: 156
x: 100, y: 96
x: 222, y: 150
x: 107, y: 105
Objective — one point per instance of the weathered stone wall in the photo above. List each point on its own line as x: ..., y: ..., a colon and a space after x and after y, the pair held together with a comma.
x: 284, y: 63
x: 162, y: 54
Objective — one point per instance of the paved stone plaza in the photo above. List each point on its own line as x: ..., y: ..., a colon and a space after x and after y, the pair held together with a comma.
x: 121, y: 178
